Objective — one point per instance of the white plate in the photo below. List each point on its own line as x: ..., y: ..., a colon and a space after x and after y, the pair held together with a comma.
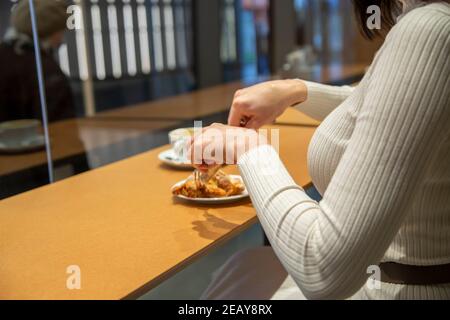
x: 225, y: 200
x: 170, y: 158
x: 31, y: 144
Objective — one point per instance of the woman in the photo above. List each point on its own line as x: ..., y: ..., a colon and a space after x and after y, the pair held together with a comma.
x: 381, y: 160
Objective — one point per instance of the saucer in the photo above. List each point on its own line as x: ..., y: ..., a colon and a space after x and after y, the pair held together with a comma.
x: 27, y: 145
x: 169, y: 158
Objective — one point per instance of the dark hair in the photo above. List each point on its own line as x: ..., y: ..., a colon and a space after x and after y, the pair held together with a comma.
x: 390, y: 9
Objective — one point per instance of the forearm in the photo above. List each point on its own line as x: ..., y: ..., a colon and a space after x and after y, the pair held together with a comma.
x: 322, y: 99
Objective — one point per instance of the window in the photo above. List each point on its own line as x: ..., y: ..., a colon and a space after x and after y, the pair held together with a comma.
x: 139, y: 36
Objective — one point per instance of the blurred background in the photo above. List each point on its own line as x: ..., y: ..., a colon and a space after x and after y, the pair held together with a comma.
x: 132, y: 70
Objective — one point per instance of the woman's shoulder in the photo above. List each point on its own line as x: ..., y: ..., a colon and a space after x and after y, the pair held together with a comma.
x: 434, y: 14
x: 433, y: 8
x: 438, y: 6
x: 428, y: 25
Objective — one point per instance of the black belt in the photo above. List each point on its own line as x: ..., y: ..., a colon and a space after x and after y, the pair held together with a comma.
x: 396, y: 273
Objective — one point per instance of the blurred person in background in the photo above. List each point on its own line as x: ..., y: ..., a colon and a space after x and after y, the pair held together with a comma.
x: 19, y: 91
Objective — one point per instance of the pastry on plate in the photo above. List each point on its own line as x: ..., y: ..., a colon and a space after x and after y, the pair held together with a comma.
x: 220, y: 186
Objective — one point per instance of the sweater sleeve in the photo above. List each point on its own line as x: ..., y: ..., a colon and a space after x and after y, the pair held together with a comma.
x: 323, y: 99
x: 326, y: 247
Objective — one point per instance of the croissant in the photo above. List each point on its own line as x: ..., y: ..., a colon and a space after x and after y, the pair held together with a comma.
x: 220, y: 186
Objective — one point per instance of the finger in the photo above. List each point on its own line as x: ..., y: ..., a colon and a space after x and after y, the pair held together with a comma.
x: 190, y: 152
x: 195, y: 149
x: 209, y: 158
x: 202, y: 167
x: 244, y: 121
x: 199, y: 156
x: 254, y: 123
x: 234, y: 119
x: 197, y: 153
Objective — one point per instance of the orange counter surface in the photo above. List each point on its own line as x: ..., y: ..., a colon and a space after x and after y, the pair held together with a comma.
x: 120, y: 225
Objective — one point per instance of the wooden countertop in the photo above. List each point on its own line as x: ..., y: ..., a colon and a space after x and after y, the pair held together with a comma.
x: 293, y: 117
x: 120, y: 225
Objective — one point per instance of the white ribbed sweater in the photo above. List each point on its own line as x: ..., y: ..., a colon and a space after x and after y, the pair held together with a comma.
x: 381, y: 160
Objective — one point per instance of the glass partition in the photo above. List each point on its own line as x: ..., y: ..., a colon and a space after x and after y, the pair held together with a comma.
x: 104, y: 64
x: 124, y: 55
x: 121, y: 56
x: 23, y: 158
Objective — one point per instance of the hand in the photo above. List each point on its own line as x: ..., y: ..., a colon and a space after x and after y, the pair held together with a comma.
x: 220, y: 144
x: 264, y: 103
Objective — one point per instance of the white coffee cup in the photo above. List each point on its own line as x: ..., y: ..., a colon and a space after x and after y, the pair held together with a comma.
x: 17, y: 132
